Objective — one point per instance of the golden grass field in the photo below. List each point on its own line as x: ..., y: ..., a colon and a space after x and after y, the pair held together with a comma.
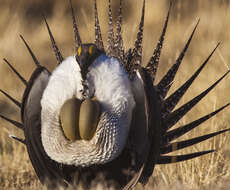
x: 24, y: 17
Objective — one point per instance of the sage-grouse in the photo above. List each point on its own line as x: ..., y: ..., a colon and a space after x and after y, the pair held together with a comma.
x: 100, y: 117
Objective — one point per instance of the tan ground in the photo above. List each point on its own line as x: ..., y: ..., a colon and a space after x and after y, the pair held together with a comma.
x: 209, y: 172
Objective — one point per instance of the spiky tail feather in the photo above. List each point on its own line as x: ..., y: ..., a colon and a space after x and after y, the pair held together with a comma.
x: 180, y: 158
x: 17, y: 103
x: 16, y: 72
x: 170, y: 103
x: 169, y: 117
x: 98, y: 37
x: 15, y: 123
x: 57, y: 52
x: 154, y: 60
x: 178, y: 132
x: 75, y: 28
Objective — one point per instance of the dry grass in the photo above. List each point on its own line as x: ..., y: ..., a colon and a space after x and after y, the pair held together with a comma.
x: 208, y: 172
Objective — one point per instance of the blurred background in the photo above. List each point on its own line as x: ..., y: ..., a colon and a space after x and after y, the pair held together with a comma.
x: 24, y: 17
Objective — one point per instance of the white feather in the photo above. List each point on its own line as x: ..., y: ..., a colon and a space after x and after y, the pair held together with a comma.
x: 112, y: 88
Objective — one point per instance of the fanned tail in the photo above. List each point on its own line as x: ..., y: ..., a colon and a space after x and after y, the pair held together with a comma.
x: 110, y: 33
x: 170, y: 117
x: 17, y: 103
x: 165, y: 83
x: 133, y: 57
x: 178, y: 132
x: 170, y: 103
x: 15, y: 123
x: 175, y: 116
x: 36, y: 62
x: 180, y: 158
x: 118, y: 46
x: 183, y: 144
x: 75, y: 28
x: 154, y: 60
x: 137, y: 51
x: 98, y: 37
x: 54, y: 45
x: 16, y: 72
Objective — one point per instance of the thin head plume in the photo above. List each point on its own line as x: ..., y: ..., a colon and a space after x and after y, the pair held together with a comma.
x: 137, y: 51
x: 75, y: 28
x: 119, y: 41
x: 54, y: 45
x: 164, y: 85
x: 154, y: 60
x: 16, y: 72
x: 31, y: 52
x: 11, y: 98
x: 170, y: 103
x: 98, y: 36
x: 110, y: 33
x: 15, y: 123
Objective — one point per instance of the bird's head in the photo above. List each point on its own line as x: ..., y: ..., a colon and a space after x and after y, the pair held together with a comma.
x: 86, y: 55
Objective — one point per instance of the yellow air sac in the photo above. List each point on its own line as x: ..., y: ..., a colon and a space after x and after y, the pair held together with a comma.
x: 88, y: 119
x: 69, y: 117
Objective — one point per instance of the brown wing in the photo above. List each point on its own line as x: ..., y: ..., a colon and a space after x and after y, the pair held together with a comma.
x: 153, y: 118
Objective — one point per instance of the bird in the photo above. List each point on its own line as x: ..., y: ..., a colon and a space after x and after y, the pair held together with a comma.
x: 99, y: 116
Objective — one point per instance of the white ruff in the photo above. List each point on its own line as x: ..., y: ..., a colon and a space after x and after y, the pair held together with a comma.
x: 110, y: 83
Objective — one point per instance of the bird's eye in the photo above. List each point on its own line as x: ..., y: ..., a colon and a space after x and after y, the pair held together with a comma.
x: 79, y: 50
x: 91, y: 50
